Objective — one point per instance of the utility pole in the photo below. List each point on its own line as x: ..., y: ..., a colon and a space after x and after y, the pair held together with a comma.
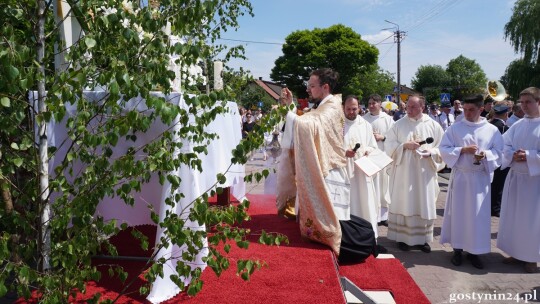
x: 398, y: 36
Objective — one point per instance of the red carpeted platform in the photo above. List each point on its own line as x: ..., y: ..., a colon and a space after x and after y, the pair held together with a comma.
x: 301, y: 272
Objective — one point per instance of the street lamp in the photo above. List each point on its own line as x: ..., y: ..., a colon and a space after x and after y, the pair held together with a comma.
x: 398, y: 35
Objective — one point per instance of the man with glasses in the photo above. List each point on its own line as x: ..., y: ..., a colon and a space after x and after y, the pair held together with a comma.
x: 322, y: 184
x: 413, y: 143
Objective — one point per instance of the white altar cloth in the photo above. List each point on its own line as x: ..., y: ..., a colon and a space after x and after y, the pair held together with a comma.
x: 193, y: 183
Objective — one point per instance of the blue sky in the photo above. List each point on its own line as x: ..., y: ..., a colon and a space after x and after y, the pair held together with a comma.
x: 437, y: 31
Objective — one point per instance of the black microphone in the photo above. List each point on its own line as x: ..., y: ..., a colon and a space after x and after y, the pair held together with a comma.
x: 357, y: 146
x: 426, y: 141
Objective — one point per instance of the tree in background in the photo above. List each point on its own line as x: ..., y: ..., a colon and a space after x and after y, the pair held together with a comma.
x: 462, y: 77
x: 431, y: 80
x: 466, y: 74
x: 520, y: 75
x: 523, y: 32
x: 46, y: 244
x: 373, y: 81
x: 337, y: 47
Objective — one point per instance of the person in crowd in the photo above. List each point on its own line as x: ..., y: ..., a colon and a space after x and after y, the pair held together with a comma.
x: 413, y: 176
x: 322, y: 182
x: 445, y: 118
x: 517, y: 114
x: 456, y: 110
x: 359, y: 132
x: 245, y: 117
x: 434, y: 112
x: 519, y: 225
x: 258, y: 114
x: 500, y: 115
x: 381, y: 123
x: 400, y: 111
x: 472, y: 148
x: 488, y: 103
x: 248, y: 125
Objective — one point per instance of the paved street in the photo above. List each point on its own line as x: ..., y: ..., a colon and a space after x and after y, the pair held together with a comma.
x: 441, y: 281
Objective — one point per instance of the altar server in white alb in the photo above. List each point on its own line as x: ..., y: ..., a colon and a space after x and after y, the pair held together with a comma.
x: 472, y: 147
x: 359, y: 141
x: 519, y: 226
x: 414, y: 185
x: 381, y: 123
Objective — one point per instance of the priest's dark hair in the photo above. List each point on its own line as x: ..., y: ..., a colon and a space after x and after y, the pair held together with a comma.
x: 375, y: 97
x: 327, y: 76
x: 477, y: 100
x: 350, y: 97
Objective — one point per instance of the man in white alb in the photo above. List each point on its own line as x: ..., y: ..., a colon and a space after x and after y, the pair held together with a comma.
x: 413, y: 176
x: 359, y: 141
x: 381, y: 123
x: 519, y: 225
x: 467, y: 214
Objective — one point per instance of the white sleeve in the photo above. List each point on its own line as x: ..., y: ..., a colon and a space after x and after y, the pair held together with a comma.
x: 287, y: 141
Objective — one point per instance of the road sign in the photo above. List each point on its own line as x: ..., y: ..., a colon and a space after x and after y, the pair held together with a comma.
x: 445, y: 97
x: 388, y: 97
x: 260, y: 104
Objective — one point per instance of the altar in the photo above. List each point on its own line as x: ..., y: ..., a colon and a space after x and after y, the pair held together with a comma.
x: 193, y: 183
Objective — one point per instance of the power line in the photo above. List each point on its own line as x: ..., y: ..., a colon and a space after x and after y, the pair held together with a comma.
x: 388, y: 51
x: 251, y: 41
x: 442, y: 6
x: 384, y: 39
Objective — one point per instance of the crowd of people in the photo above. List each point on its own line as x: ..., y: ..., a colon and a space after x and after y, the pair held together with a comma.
x: 491, y: 150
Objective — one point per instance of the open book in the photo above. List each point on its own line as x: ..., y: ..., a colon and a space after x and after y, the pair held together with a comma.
x: 374, y: 162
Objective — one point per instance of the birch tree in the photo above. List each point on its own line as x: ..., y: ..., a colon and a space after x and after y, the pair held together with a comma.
x: 46, y: 244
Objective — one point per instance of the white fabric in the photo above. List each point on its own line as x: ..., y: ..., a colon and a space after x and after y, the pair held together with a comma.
x: 363, y: 198
x: 467, y: 214
x: 413, y: 179
x: 445, y: 120
x: 519, y: 225
x: 193, y: 184
x: 512, y: 120
x: 338, y: 186
x: 381, y: 123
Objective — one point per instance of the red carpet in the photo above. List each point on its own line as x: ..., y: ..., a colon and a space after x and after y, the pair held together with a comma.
x: 301, y: 272
x: 385, y: 274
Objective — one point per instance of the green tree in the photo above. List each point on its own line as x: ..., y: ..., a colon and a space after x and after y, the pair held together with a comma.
x: 523, y: 32
x: 466, y: 76
x: 251, y: 96
x: 519, y: 75
x: 373, y: 81
x: 337, y: 47
x: 431, y: 80
x: 46, y: 245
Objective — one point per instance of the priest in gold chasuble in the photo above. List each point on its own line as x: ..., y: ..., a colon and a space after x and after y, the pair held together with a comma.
x: 322, y: 183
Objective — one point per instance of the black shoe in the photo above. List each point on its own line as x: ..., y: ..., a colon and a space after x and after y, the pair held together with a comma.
x: 381, y: 249
x: 425, y: 248
x: 383, y: 223
x: 475, y: 261
x: 403, y: 247
x: 457, y: 259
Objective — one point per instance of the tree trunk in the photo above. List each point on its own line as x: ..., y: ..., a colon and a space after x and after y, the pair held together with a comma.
x: 44, y: 204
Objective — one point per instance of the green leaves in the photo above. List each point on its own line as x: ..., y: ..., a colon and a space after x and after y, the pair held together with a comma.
x: 92, y: 163
x: 5, y: 102
x: 90, y: 42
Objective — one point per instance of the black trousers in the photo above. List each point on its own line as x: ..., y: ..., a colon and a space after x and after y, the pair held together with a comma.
x: 357, y: 240
x: 497, y: 186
